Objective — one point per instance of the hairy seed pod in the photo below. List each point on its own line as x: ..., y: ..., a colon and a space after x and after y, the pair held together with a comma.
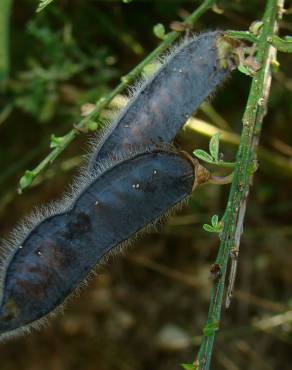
x: 50, y: 259
x: 53, y: 256
x: 161, y: 105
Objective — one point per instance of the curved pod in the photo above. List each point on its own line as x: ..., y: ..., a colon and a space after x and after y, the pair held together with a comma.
x: 57, y: 254
x: 162, y: 104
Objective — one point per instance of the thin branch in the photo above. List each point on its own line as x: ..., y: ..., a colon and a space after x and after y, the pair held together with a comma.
x: 243, y: 35
x: 235, y: 252
x: 252, y: 122
x: 283, y: 45
x: 169, y: 38
x: 42, y: 5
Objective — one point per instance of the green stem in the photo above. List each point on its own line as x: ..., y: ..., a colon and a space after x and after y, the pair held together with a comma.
x: 243, y: 35
x: 252, y: 122
x: 5, y: 9
x: 103, y: 102
x: 42, y: 5
x: 223, y: 164
x: 282, y: 45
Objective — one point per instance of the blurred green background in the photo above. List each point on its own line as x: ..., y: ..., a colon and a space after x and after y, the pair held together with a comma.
x: 146, y: 309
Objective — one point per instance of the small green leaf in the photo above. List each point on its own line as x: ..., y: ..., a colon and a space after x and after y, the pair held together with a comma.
x: 244, y: 70
x: 159, y: 30
x: 210, y: 328
x: 91, y: 125
x: 214, y: 146
x: 56, y: 141
x: 256, y: 27
x: 188, y: 366
x: 208, y: 228
x: 26, y: 180
x: 204, y: 156
x: 216, y: 226
x: 214, y: 221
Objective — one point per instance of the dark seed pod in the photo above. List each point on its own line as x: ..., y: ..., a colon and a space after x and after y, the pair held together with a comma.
x: 162, y: 104
x: 48, y: 260
x: 57, y: 253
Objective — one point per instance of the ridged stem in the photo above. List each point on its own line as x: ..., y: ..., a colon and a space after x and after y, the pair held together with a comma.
x: 234, y: 214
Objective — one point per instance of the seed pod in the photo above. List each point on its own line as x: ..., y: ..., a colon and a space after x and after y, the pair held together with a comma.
x: 162, y: 104
x: 53, y: 257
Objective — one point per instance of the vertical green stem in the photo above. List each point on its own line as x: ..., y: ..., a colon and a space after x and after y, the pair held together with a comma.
x: 234, y: 214
x: 5, y: 9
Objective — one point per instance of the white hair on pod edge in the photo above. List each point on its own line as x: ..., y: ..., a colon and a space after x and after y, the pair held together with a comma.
x: 96, y: 143
x: 79, y: 185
